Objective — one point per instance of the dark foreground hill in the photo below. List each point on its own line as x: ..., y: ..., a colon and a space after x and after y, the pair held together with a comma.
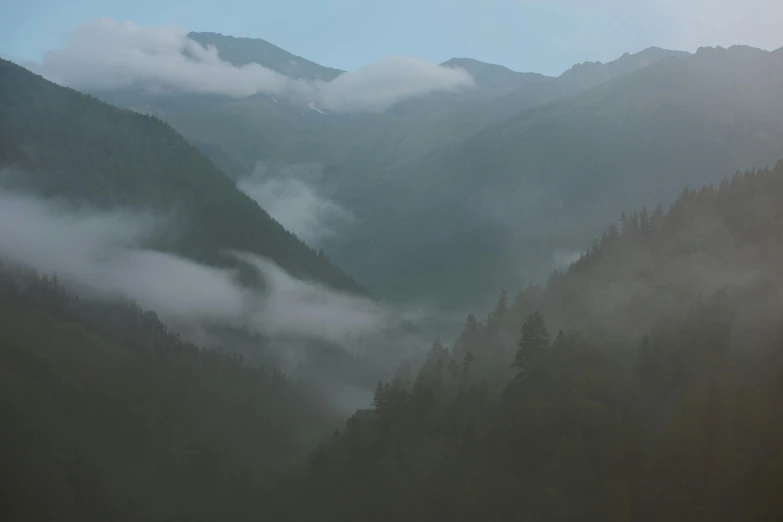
x: 106, y: 415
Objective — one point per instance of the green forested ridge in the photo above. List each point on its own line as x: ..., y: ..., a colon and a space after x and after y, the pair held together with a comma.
x: 74, y: 146
x: 108, y: 416
x: 641, y: 384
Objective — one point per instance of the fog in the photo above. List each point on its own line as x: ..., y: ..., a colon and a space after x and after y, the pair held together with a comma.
x: 102, y: 253
x: 109, y: 55
x: 290, y: 195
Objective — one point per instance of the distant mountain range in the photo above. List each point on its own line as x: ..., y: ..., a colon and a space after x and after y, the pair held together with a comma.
x: 549, y: 177
x: 502, y: 178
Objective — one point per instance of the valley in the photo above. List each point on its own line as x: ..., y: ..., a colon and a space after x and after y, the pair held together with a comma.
x: 236, y: 284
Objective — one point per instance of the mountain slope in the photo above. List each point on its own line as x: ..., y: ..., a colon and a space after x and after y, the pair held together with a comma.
x: 641, y: 384
x: 491, y: 77
x: 108, y: 416
x: 361, y: 148
x: 87, y: 150
x: 557, y: 172
x: 242, y: 51
x: 237, y: 51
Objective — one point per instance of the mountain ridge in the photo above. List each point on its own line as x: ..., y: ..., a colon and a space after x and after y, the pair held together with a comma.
x: 242, y: 51
x: 109, y: 156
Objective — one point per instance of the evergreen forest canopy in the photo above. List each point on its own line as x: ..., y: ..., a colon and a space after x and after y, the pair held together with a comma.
x: 625, y: 388
x: 640, y: 382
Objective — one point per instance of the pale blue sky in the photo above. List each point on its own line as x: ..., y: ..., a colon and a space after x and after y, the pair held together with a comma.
x: 529, y: 35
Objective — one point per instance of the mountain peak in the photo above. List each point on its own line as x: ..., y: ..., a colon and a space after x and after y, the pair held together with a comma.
x: 457, y: 61
x: 492, y: 76
x: 241, y: 51
x: 593, y: 73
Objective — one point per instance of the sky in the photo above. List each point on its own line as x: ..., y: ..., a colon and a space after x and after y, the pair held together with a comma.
x: 546, y: 36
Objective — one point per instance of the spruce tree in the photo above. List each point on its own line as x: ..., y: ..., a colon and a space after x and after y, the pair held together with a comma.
x: 532, y: 347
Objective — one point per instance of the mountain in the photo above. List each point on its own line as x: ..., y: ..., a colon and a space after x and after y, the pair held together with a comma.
x: 495, y: 179
x: 108, y: 416
x: 640, y: 384
x: 516, y: 192
x: 242, y: 51
x: 493, y: 80
x: 361, y: 148
x: 77, y: 147
x: 590, y: 74
x: 237, y: 51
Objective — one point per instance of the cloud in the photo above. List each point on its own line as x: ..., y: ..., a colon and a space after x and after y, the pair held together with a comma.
x: 102, y: 253
x: 294, y: 306
x: 378, y: 86
x: 290, y: 196
x: 564, y: 257
x: 109, y: 55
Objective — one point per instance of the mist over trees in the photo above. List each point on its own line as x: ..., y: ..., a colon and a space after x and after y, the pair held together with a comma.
x: 182, y: 336
x: 657, y: 403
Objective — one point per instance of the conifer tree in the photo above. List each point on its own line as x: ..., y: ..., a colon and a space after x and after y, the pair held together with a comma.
x: 532, y: 347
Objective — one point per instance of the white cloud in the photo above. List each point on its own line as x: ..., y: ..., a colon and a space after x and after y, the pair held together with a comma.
x: 378, y: 86
x: 290, y: 196
x: 102, y: 253
x: 109, y: 55
x: 292, y: 306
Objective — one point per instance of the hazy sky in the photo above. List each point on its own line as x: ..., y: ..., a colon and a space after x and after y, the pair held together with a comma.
x: 532, y: 35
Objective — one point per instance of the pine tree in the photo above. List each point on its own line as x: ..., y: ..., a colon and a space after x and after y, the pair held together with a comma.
x: 532, y: 347
x: 623, y: 224
x: 656, y: 221
x: 467, y: 362
x: 644, y: 221
x: 380, y: 396
x: 438, y: 354
x: 452, y: 368
x: 500, y: 309
x: 471, y: 326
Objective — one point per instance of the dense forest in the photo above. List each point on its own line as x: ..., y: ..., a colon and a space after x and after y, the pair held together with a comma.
x: 640, y: 384
x: 106, y: 415
x: 625, y: 388
x: 72, y: 145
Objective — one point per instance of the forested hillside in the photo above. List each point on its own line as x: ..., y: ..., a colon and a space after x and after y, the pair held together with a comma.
x: 71, y: 145
x: 640, y: 384
x: 106, y: 415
